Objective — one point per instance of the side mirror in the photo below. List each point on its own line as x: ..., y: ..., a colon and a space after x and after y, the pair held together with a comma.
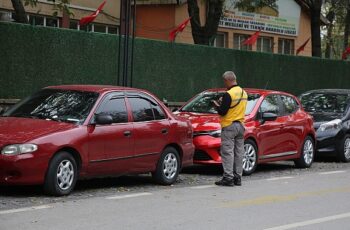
x: 103, y: 119
x: 269, y: 116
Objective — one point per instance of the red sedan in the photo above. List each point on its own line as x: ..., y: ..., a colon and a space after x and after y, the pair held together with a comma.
x: 63, y: 133
x: 277, y: 128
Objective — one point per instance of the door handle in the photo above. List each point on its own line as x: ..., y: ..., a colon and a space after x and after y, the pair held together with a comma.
x: 127, y: 133
x: 164, y: 131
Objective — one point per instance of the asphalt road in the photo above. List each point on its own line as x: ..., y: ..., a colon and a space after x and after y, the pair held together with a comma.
x: 278, y: 196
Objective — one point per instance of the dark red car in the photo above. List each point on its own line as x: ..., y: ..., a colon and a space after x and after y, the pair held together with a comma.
x: 277, y: 128
x: 63, y: 133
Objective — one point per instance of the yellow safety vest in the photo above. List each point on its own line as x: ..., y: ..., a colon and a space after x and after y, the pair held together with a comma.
x: 236, y: 111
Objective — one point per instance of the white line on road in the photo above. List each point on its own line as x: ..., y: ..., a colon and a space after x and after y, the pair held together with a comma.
x: 311, y: 222
x: 280, y: 178
x: 202, y: 187
x: 10, y: 211
x: 128, y: 196
x: 332, y: 172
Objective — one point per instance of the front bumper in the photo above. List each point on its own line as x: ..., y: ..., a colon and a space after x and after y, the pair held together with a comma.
x: 24, y: 169
x: 207, y: 150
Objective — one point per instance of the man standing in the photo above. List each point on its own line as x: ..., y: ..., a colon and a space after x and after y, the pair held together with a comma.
x: 232, y: 110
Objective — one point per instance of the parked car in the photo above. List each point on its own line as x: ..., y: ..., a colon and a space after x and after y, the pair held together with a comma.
x: 330, y: 110
x: 277, y: 128
x: 63, y: 133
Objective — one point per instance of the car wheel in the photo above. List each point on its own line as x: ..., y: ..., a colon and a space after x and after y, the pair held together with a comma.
x: 168, y: 167
x: 250, y: 157
x: 62, y: 174
x: 307, y: 154
x: 343, y: 151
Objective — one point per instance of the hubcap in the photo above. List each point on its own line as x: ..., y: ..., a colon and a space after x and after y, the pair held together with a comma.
x: 308, y: 151
x: 347, y: 148
x: 65, y: 174
x: 170, y: 166
x: 249, y: 158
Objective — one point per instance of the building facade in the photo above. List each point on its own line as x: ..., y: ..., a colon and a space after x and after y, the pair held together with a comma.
x: 283, y: 29
x: 44, y: 14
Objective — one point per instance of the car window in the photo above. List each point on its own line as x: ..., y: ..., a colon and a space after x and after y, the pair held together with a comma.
x: 141, y: 109
x: 114, y: 105
x: 289, y: 104
x: 56, y: 104
x: 270, y: 105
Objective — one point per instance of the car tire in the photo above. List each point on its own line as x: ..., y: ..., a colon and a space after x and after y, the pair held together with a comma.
x: 307, y: 154
x: 343, y: 150
x: 61, y: 175
x: 250, y: 157
x: 168, y: 167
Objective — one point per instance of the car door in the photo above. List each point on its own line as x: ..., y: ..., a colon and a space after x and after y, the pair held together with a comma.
x: 270, y: 134
x: 293, y: 125
x: 151, y: 128
x: 111, y: 146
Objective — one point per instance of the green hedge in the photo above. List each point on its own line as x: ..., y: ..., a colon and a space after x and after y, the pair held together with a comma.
x: 34, y: 57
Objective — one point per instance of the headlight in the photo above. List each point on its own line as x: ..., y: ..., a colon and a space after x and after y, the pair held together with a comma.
x: 335, y: 124
x: 18, y: 149
x: 215, y: 133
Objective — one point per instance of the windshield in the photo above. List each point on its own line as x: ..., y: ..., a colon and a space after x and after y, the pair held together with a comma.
x: 55, y: 104
x: 325, y: 102
x: 202, y: 103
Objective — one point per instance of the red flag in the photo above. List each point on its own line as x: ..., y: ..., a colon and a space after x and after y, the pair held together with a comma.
x: 302, y: 47
x: 88, y: 19
x: 178, y: 29
x: 252, y: 39
x: 346, y: 53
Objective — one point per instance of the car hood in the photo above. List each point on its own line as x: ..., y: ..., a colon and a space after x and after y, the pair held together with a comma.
x: 19, y: 130
x: 202, y: 121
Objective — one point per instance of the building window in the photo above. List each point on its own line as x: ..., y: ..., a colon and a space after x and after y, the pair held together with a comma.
x: 36, y: 20
x: 100, y: 28
x: 264, y: 44
x: 52, y: 22
x: 286, y: 46
x: 220, y: 40
x: 238, y: 39
x: 112, y: 29
x: 73, y: 24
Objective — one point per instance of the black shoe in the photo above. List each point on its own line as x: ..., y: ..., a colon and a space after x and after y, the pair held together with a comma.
x: 225, y: 182
x: 237, y: 180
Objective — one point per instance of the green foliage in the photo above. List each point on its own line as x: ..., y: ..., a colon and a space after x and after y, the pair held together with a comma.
x: 253, y: 5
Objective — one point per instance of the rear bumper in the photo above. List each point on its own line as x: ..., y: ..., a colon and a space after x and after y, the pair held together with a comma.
x: 24, y: 169
x: 188, y: 152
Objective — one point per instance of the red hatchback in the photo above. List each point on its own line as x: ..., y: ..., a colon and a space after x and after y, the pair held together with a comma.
x: 63, y: 133
x: 277, y: 128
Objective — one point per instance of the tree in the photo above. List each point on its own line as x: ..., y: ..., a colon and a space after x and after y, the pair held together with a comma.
x: 205, y: 34
x: 347, y: 25
x: 315, y: 12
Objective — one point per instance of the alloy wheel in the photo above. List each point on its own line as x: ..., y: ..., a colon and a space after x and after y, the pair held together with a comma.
x: 249, y: 158
x: 170, y: 166
x: 347, y: 148
x: 308, y: 151
x: 65, y: 174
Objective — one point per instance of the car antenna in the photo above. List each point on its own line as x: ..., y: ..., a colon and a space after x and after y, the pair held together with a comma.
x: 267, y: 84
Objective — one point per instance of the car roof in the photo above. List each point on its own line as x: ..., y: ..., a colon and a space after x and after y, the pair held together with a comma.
x: 334, y: 91
x: 90, y: 88
x: 249, y: 90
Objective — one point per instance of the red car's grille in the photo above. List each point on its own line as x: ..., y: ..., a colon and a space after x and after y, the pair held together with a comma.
x: 200, y: 155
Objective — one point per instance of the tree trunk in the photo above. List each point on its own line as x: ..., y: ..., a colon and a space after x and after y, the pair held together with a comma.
x: 204, y: 35
x: 315, y: 28
x: 329, y: 44
x: 21, y: 15
x: 347, y: 26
